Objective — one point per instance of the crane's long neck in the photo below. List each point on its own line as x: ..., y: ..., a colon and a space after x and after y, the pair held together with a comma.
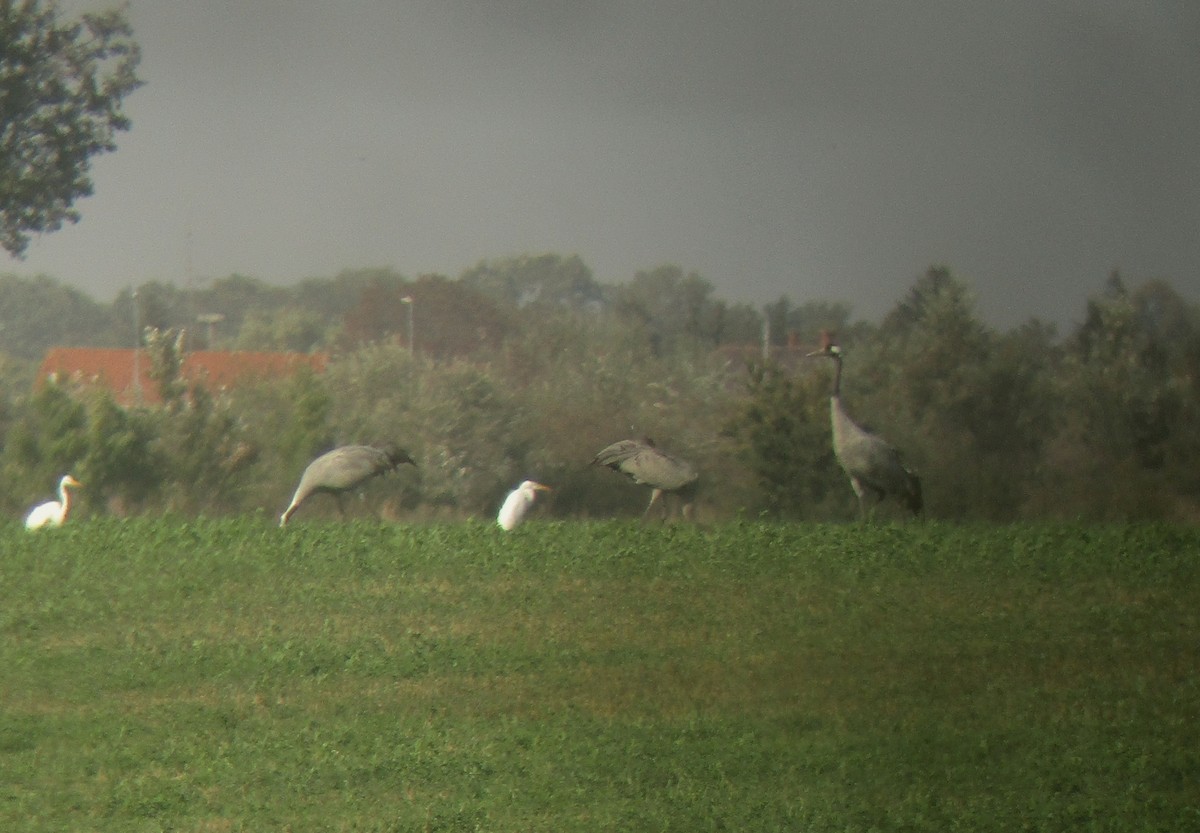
x: 64, y: 496
x: 844, y: 428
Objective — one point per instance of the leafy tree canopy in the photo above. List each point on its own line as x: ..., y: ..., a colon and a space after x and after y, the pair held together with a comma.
x: 547, y: 279
x: 62, y: 84
x: 671, y: 305
x: 39, y: 313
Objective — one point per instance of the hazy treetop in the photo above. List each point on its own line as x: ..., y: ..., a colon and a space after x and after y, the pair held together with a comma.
x: 821, y: 150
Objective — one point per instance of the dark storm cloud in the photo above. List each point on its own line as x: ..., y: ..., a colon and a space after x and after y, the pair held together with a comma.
x: 826, y: 150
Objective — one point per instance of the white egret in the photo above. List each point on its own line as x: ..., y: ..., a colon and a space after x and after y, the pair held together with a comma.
x: 518, y: 503
x: 53, y: 512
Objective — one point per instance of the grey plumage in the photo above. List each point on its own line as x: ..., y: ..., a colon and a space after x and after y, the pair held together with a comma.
x: 872, y: 464
x: 646, y: 464
x: 343, y: 469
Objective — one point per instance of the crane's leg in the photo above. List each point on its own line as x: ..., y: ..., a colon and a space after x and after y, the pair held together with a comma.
x: 859, y: 493
x: 654, y: 495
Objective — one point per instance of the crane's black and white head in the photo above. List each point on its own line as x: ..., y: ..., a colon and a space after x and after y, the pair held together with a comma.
x: 829, y: 347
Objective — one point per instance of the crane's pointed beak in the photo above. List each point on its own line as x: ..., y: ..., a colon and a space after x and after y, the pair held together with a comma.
x: 542, y: 487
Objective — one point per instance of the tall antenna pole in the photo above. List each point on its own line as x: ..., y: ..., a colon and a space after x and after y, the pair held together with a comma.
x: 766, y: 333
x: 407, y: 300
x: 137, y: 347
x: 189, y: 276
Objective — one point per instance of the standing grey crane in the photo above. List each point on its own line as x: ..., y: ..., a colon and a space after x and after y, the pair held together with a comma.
x: 872, y: 464
x: 646, y: 464
x: 343, y: 469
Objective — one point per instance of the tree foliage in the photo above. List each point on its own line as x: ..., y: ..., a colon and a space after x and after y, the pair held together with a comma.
x: 41, y: 313
x: 47, y: 440
x: 448, y: 318
x: 547, y: 280
x: 120, y: 465
x: 783, y: 429
x: 1125, y: 444
x: 787, y: 320
x: 288, y: 329
x: 62, y: 86
x: 674, y: 308
x: 508, y: 385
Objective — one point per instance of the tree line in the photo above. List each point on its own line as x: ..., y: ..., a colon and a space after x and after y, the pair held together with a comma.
x: 526, y: 366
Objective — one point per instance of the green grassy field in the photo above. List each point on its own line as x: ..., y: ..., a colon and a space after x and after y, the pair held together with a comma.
x: 231, y: 676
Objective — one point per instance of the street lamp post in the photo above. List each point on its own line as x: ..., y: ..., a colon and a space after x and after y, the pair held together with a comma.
x: 766, y: 334
x: 407, y: 300
x: 137, y: 346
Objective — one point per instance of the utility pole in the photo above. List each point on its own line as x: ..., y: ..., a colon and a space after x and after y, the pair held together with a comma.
x: 407, y: 300
x: 137, y: 348
x: 766, y: 334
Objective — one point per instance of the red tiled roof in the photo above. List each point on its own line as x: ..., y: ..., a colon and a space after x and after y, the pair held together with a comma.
x: 215, y: 369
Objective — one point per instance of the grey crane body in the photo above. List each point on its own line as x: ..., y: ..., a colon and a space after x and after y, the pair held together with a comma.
x: 343, y: 469
x: 647, y: 465
x: 873, y: 465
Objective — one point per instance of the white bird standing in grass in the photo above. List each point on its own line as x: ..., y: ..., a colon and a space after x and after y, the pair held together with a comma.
x: 518, y: 503
x: 53, y: 512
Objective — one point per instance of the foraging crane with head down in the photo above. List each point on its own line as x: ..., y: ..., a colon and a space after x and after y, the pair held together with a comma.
x: 872, y: 464
x: 645, y: 463
x: 343, y: 469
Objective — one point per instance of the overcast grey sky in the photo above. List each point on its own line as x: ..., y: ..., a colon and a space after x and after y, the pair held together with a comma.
x: 826, y: 150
